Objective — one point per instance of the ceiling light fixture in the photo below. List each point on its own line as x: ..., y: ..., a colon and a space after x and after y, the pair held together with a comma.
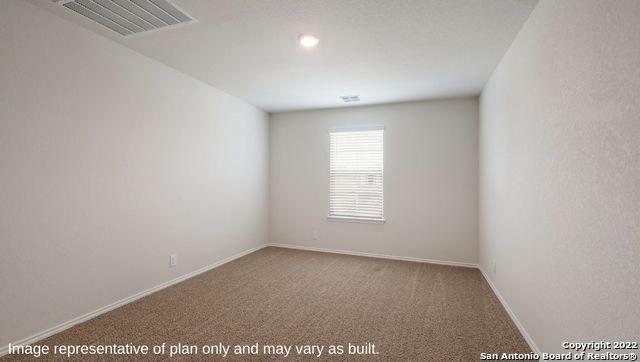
x: 308, y: 40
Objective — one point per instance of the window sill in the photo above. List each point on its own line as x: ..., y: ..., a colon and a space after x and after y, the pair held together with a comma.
x: 356, y: 219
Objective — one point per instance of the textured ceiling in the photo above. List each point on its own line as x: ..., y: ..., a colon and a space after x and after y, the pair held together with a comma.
x: 382, y: 50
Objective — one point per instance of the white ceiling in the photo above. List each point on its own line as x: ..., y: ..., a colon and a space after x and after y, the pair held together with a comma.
x: 382, y: 50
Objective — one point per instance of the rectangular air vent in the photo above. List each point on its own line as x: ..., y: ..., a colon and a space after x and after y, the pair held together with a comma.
x: 349, y: 99
x: 127, y: 17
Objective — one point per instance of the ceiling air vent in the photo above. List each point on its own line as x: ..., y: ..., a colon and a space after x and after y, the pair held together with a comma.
x: 128, y: 17
x: 349, y: 99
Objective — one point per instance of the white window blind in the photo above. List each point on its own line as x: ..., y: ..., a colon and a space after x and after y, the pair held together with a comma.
x: 356, y: 174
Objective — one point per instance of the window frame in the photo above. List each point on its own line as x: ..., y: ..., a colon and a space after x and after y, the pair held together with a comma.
x: 355, y: 219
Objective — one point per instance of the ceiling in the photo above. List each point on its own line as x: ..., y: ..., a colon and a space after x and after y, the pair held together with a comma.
x: 382, y: 50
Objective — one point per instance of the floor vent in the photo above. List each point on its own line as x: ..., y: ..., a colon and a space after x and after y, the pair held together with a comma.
x: 128, y: 17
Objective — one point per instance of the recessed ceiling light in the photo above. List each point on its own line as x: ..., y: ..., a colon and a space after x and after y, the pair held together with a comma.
x: 308, y: 40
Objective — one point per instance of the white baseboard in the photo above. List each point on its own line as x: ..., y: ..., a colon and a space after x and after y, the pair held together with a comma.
x: 515, y: 319
x: 66, y: 325
x: 373, y: 255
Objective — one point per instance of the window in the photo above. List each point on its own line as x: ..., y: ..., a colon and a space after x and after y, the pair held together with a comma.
x: 356, y: 174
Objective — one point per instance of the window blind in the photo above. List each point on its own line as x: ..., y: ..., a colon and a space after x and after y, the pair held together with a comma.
x: 356, y: 174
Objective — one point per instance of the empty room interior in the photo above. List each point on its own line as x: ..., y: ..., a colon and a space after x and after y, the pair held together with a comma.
x: 389, y: 180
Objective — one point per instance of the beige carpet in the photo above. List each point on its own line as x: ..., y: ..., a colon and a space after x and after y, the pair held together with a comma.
x: 410, y: 311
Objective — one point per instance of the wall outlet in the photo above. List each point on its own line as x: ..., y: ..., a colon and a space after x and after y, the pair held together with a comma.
x: 173, y: 260
x: 493, y: 267
x: 314, y: 234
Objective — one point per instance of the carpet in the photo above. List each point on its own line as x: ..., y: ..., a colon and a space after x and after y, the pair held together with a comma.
x: 386, y: 309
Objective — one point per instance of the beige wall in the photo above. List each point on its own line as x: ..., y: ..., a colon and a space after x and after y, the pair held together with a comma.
x: 560, y: 173
x: 430, y: 180
x: 110, y: 162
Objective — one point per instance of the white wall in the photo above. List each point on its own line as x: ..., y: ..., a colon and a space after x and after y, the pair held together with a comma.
x: 560, y: 172
x: 430, y: 180
x: 110, y: 162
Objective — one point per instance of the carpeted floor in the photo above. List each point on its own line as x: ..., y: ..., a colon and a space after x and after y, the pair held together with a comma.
x: 409, y: 311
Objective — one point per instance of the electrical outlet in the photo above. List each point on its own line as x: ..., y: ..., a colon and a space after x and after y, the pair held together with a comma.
x: 314, y: 234
x: 493, y: 268
x: 173, y: 260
